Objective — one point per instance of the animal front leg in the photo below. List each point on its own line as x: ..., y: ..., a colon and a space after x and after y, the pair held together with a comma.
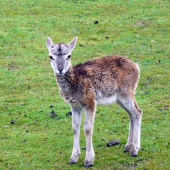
x: 88, y: 129
x: 76, y: 121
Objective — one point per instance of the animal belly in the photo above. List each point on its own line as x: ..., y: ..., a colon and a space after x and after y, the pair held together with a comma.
x: 106, y: 100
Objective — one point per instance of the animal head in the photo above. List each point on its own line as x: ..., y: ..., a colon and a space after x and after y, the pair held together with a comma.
x: 60, y: 55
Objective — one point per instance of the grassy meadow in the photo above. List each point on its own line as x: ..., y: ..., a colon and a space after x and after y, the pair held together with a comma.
x: 35, y: 132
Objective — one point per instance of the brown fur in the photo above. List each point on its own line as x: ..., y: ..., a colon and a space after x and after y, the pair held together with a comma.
x: 109, y: 75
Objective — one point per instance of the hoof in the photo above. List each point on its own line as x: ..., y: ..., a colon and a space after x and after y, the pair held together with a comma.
x: 71, y: 163
x: 88, y: 166
x: 133, y: 155
x: 126, y: 151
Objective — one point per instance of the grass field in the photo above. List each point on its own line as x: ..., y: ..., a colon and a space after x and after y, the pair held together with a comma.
x: 30, y: 137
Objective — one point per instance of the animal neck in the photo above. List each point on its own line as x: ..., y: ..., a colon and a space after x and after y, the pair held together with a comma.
x: 64, y: 80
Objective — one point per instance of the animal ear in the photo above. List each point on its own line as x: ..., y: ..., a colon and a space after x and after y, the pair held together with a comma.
x: 49, y: 43
x: 72, y: 44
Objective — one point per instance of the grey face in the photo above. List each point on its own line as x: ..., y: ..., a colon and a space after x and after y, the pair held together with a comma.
x: 60, y: 58
x: 60, y: 55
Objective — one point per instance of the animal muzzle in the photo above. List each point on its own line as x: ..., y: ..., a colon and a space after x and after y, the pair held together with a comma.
x: 60, y: 69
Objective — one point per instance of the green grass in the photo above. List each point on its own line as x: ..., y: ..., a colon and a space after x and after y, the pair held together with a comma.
x: 138, y: 30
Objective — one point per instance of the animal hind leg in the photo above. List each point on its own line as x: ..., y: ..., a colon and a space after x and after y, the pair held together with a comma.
x: 131, y: 124
x: 137, y: 130
x: 135, y: 114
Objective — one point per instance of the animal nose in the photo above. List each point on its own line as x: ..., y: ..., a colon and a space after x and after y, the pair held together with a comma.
x: 60, y: 69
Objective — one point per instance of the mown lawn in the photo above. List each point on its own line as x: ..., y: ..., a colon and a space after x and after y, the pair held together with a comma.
x: 30, y: 137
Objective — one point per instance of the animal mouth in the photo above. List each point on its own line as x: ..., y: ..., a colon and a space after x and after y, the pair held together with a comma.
x: 60, y: 73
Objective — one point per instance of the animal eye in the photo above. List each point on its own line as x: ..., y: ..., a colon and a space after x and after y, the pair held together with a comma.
x: 68, y: 57
x: 51, y: 57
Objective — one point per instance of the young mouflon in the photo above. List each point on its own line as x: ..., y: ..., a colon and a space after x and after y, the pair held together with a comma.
x: 104, y: 80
